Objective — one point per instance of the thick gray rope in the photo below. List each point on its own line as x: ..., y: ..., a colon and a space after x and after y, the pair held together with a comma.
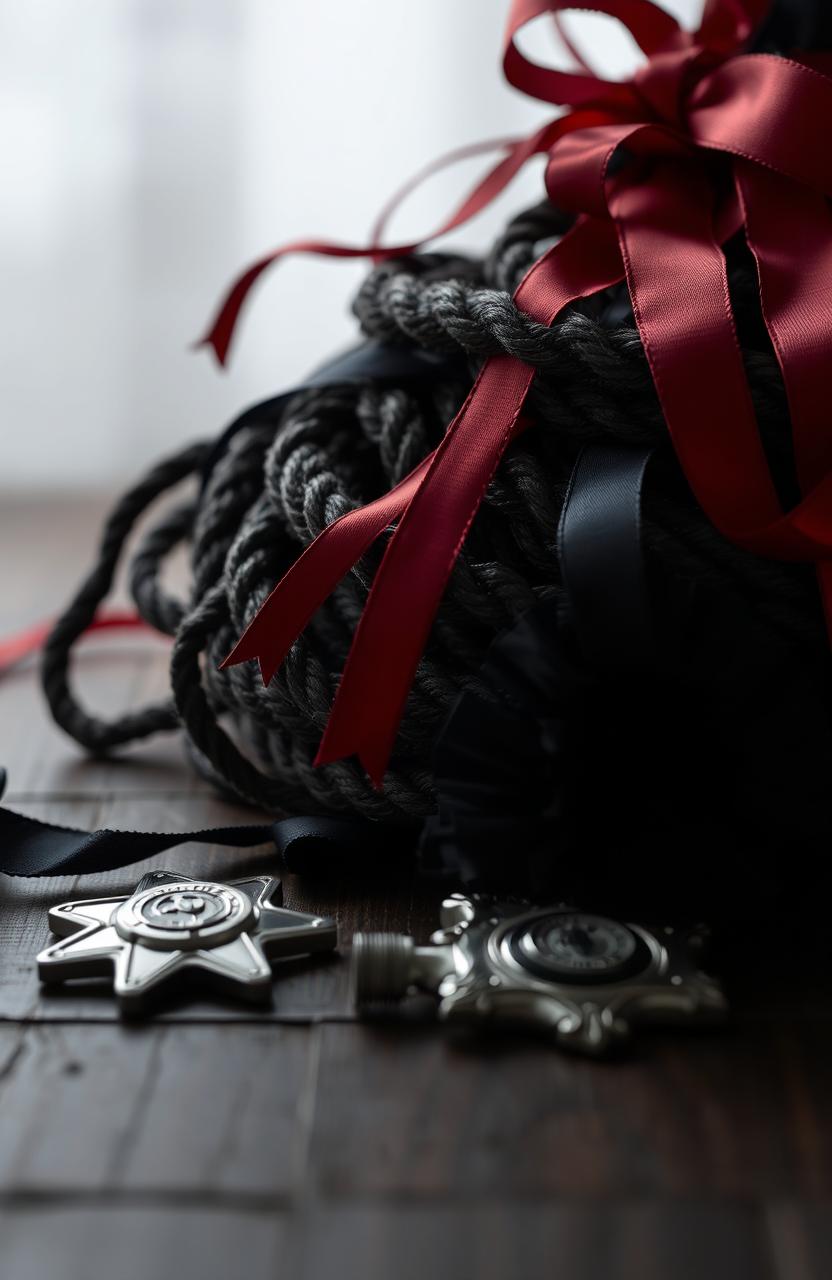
x: 282, y: 481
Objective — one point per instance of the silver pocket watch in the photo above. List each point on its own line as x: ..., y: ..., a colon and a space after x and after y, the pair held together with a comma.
x: 584, y: 980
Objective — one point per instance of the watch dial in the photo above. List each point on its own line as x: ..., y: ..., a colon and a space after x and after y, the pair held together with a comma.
x: 574, y: 946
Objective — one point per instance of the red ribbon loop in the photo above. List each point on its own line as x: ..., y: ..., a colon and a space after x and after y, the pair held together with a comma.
x: 709, y: 140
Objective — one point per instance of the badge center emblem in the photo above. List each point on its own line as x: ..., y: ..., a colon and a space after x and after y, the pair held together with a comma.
x: 178, y: 905
x: 185, y: 915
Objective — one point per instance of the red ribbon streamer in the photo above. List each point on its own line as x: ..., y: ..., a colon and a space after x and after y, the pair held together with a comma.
x: 15, y: 648
x: 707, y: 140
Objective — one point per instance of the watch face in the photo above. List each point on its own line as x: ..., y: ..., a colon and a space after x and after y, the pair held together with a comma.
x: 572, y: 946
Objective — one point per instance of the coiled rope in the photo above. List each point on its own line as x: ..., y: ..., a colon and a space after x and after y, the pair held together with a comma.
x: 283, y: 479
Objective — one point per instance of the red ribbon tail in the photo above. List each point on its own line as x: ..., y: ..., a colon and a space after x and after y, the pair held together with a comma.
x: 795, y: 290
x: 373, y: 755
x: 677, y: 279
x: 302, y: 590
x: 678, y: 284
x: 221, y: 331
x: 15, y: 648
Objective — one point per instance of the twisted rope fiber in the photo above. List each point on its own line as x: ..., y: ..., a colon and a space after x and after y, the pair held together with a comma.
x: 285, y: 478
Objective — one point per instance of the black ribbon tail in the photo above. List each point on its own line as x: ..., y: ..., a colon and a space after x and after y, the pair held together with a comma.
x: 313, y: 846
x: 307, y: 845
x: 504, y: 763
x: 601, y: 561
x: 29, y: 847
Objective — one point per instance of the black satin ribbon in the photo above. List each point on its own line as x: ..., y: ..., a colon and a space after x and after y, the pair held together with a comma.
x: 29, y: 847
x: 326, y: 846
x: 378, y: 362
x: 601, y: 561
x: 32, y: 848
x: 504, y: 768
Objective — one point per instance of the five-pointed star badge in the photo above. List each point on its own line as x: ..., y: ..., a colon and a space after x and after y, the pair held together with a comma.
x: 170, y: 924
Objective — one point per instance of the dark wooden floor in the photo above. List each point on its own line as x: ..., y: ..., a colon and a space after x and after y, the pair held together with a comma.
x: 214, y: 1141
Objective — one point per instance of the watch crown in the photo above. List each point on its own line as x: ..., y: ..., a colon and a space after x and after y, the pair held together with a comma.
x: 381, y: 969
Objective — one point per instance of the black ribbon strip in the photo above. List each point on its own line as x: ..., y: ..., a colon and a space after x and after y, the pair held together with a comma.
x: 319, y: 845
x: 32, y: 848
x: 601, y: 562
x: 507, y: 768
x: 599, y: 545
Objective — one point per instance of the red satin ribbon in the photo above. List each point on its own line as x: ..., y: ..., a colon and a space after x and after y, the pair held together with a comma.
x: 707, y: 140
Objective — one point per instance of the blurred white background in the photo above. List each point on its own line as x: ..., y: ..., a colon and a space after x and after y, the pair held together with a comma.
x: 152, y: 148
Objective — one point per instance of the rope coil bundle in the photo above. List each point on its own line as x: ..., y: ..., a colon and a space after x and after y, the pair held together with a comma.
x: 284, y: 478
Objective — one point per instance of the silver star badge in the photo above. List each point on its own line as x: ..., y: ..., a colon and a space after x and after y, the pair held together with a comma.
x: 172, y: 924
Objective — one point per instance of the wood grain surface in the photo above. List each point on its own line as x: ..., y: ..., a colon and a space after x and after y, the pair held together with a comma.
x: 215, y: 1140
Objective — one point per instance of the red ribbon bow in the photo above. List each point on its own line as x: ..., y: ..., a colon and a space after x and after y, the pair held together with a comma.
x: 707, y: 140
